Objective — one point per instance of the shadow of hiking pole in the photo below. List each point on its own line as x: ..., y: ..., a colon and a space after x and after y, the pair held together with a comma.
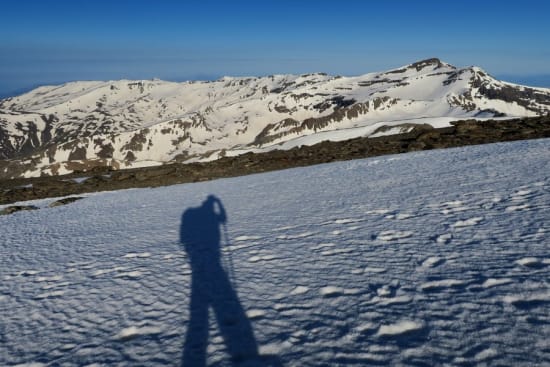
x: 211, y: 287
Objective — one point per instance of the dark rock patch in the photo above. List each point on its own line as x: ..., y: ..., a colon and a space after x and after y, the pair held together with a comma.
x: 17, y: 208
x: 78, y: 154
x: 428, y: 62
x: 65, y: 201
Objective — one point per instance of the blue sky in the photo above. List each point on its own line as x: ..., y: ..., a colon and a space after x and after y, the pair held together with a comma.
x: 56, y: 41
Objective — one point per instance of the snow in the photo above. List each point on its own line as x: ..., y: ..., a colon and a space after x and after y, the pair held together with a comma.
x: 133, y: 331
x: 347, y: 133
x: 468, y: 222
x: 399, y: 328
x: 202, y: 121
x: 399, y: 260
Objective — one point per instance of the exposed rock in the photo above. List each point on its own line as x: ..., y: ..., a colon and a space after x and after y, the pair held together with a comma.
x: 419, y: 65
x: 137, y: 141
x: 77, y: 154
x: 17, y: 208
x: 524, y: 97
x: 130, y: 157
x: 416, y: 137
x: 105, y: 151
x: 65, y: 201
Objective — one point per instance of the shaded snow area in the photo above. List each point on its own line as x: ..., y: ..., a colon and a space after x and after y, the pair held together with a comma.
x: 429, y: 258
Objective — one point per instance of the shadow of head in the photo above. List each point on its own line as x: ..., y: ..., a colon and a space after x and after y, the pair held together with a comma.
x: 212, y: 289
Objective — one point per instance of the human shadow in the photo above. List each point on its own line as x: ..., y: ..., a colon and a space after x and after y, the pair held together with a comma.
x: 200, y: 235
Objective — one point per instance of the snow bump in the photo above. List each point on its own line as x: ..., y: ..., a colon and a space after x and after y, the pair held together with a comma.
x: 400, y: 328
x: 392, y: 235
x: 135, y: 331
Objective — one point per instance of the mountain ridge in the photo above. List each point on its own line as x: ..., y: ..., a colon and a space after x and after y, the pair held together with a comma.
x: 421, y: 137
x: 129, y: 124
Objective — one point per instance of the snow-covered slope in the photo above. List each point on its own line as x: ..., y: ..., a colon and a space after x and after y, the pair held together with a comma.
x: 126, y: 123
x: 431, y: 258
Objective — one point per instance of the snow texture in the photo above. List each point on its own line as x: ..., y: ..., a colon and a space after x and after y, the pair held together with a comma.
x: 410, y: 259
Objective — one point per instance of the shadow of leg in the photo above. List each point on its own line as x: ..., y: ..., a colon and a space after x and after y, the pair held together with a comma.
x: 196, y: 339
x: 234, y: 326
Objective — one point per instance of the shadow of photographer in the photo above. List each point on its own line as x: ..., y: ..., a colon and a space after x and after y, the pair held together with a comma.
x: 200, y: 235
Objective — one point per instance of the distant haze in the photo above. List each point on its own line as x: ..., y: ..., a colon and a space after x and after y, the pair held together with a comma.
x: 530, y: 80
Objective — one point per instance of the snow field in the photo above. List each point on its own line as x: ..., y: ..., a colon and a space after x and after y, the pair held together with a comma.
x: 406, y: 259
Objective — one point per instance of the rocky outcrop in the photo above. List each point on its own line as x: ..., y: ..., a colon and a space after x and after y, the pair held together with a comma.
x: 17, y: 208
x: 64, y: 201
x: 416, y: 137
x: 346, y: 110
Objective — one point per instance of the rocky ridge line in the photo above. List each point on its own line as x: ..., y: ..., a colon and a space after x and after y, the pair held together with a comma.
x: 421, y: 137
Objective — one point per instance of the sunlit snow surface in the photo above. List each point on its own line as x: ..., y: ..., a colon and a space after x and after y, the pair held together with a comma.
x: 428, y: 258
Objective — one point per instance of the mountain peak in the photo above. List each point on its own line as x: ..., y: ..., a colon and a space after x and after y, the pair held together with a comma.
x: 431, y: 60
x: 478, y: 70
x: 435, y: 62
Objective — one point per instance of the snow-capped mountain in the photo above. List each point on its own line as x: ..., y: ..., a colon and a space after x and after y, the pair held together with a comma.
x: 123, y: 124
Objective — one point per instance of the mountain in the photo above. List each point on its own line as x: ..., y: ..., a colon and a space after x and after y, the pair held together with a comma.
x: 81, y: 125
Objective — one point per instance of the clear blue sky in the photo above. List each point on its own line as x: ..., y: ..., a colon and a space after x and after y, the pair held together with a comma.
x: 46, y: 41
